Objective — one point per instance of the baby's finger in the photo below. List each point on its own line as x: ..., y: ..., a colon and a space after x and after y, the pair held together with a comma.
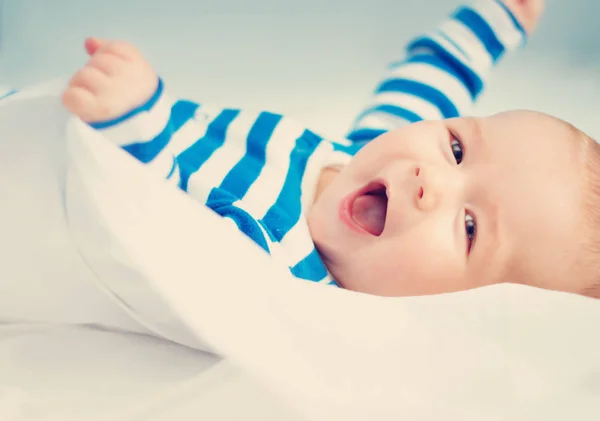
x: 122, y: 49
x: 108, y: 64
x: 93, y: 44
x: 90, y: 78
x: 81, y: 102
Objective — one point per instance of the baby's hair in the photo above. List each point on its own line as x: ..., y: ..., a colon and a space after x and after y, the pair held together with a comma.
x: 590, y: 258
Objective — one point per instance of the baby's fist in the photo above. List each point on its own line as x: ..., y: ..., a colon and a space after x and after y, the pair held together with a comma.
x: 527, y: 12
x: 115, y: 80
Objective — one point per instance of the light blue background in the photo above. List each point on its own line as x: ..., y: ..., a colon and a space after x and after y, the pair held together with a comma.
x: 315, y: 60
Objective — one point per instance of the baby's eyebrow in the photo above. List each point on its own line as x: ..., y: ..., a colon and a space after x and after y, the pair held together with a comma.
x: 474, y: 136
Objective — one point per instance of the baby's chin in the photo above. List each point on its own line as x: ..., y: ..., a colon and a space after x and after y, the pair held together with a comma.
x: 346, y: 278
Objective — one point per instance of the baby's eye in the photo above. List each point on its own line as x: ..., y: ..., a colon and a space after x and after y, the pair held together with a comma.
x: 457, y: 150
x: 471, y: 230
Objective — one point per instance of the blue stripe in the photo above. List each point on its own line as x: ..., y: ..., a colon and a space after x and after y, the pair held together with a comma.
x: 247, y: 170
x: 514, y: 19
x: 426, y: 92
x: 9, y: 93
x: 222, y: 201
x: 268, y: 231
x: 365, y: 135
x: 172, y: 171
x: 468, y: 76
x: 482, y: 30
x: 394, y: 110
x: 351, y: 149
x: 196, y: 155
x: 142, y: 108
x: 310, y: 268
x: 181, y: 112
x: 286, y: 210
x: 454, y: 44
x: 439, y: 63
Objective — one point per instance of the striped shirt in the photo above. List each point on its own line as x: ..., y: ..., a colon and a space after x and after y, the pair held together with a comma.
x: 259, y: 171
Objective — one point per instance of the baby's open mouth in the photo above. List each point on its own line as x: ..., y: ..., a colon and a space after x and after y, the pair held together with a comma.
x: 369, y: 208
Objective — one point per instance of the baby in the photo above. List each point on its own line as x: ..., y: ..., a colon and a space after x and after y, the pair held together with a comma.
x: 416, y: 200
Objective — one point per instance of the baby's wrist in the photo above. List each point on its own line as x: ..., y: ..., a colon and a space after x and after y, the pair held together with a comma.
x: 507, y: 32
x: 142, y: 123
x: 146, y: 106
x: 526, y: 12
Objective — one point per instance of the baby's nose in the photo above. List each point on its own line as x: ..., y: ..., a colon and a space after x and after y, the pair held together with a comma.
x: 432, y: 187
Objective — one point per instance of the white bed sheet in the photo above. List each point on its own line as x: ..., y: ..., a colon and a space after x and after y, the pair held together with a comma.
x: 66, y: 373
x: 68, y: 350
x: 297, y: 348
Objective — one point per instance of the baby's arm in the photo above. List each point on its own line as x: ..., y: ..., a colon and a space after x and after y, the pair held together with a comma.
x: 119, y: 94
x: 445, y: 71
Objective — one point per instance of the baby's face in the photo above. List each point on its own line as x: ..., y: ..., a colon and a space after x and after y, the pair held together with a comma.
x: 444, y: 206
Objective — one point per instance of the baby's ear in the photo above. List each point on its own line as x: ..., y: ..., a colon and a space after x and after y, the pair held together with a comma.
x: 93, y: 44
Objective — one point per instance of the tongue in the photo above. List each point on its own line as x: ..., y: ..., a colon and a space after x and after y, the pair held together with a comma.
x: 369, y: 211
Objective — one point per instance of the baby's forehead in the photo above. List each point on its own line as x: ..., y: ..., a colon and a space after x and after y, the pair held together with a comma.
x: 529, y: 120
x: 537, y: 185
x: 531, y: 134
x: 535, y: 156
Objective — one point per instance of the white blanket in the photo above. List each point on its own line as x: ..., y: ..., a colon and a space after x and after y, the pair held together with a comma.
x: 504, y: 352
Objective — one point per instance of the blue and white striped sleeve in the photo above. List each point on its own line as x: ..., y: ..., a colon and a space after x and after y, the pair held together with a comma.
x: 156, y: 132
x: 443, y: 72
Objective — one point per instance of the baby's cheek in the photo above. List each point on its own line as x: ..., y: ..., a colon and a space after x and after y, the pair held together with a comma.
x: 432, y: 262
x: 417, y: 141
x: 374, y: 154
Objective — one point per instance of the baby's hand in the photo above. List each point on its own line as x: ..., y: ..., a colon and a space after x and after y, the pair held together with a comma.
x: 528, y: 12
x: 115, y: 80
